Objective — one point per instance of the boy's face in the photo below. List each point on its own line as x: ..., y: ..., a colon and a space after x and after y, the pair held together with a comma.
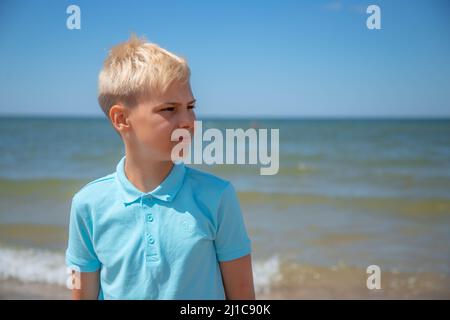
x: 152, y: 122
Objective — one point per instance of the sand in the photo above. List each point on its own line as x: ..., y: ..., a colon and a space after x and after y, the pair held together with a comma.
x: 299, y: 283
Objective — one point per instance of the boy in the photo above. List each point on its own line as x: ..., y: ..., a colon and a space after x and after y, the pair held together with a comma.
x: 155, y: 229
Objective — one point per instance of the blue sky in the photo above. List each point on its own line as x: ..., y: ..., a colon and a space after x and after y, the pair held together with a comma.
x: 248, y: 58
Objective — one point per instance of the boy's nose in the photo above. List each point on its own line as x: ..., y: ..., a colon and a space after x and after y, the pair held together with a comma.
x: 187, y: 121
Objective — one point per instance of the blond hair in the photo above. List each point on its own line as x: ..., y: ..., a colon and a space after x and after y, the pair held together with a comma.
x: 135, y: 70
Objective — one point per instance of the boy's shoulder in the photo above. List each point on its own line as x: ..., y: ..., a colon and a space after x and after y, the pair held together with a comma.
x: 96, y: 189
x: 208, y: 186
x: 204, y: 184
x: 206, y: 179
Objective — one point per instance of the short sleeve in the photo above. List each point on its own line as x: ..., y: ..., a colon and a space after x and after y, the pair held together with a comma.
x: 80, y: 250
x: 231, y: 240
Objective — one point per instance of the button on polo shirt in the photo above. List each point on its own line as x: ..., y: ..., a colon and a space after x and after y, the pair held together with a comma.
x: 165, y: 244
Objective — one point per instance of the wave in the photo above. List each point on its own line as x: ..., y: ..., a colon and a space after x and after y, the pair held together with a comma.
x: 45, y: 266
x: 33, y: 265
x: 286, y: 195
x: 273, y: 278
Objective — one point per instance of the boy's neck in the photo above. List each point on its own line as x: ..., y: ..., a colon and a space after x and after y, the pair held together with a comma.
x: 146, y: 174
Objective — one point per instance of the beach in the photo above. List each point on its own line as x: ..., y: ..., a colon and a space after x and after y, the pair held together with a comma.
x: 315, y: 284
x: 349, y: 194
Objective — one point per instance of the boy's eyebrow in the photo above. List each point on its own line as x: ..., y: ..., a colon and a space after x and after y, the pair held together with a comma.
x: 177, y: 103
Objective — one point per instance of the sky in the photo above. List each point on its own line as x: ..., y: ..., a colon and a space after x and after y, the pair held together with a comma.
x: 247, y: 58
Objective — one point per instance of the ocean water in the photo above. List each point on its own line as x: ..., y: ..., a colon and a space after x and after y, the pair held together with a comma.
x: 349, y: 193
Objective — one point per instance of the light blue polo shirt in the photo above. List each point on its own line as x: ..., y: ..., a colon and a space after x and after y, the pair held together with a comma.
x: 165, y: 244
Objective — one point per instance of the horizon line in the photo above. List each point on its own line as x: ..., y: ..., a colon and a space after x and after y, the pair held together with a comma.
x: 242, y: 117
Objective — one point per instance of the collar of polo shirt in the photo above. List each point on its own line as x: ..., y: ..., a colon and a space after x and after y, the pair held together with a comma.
x: 166, y: 191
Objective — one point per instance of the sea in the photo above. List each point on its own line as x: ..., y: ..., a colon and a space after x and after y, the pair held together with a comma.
x: 350, y: 193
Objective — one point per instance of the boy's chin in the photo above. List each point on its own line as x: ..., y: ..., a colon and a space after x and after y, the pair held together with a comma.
x: 165, y: 154
x: 180, y: 158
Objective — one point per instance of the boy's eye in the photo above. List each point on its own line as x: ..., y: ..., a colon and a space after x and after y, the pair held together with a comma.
x: 168, y: 109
